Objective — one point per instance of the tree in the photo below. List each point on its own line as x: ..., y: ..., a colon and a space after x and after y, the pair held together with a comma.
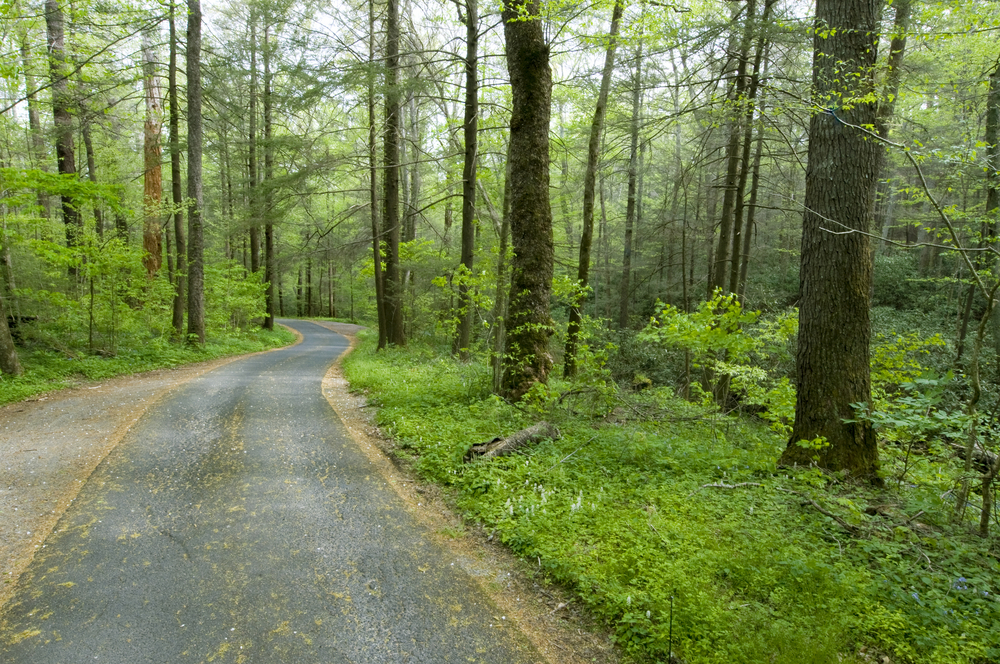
x: 471, y: 131
x: 152, y: 152
x: 59, y: 72
x: 589, y: 186
x: 393, y: 286
x: 527, y: 358
x: 832, y: 364
x: 179, y: 301
x: 196, y: 239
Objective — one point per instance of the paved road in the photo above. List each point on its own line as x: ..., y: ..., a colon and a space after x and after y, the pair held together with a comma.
x: 238, y: 522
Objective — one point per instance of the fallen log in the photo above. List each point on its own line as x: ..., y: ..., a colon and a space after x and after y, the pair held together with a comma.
x: 504, y: 446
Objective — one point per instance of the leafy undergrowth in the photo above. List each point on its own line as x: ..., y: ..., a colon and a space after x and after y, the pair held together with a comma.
x: 48, y: 369
x: 746, y: 569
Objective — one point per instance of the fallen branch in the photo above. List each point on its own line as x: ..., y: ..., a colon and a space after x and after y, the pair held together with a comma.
x: 504, y: 446
x: 570, y: 454
x: 723, y: 485
x: 825, y: 512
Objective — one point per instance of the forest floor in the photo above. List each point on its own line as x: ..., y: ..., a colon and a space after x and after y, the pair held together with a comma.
x: 52, y: 443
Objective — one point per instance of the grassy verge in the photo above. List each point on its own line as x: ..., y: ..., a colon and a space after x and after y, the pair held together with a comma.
x: 674, y: 525
x: 46, y: 369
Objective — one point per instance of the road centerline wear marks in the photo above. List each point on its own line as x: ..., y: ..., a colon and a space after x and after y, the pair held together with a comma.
x: 239, y: 522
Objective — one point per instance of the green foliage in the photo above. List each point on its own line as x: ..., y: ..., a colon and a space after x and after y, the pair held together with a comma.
x: 752, y: 351
x: 617, y: 509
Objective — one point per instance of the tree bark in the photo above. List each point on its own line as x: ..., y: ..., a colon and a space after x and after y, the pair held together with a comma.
x: 633, y: 203
x: 512, y: 443
x: 270, y: 260
x: 37, y: 142
x: 9, y: 362
x: 253, y: 178
x: 393, y: 290
x: 380, y: 306
x: 177, y: 198
x: 196, y: 242
x: 152, y: 180
x: 527, y: 359
x: 62, y: 104
x: 471, y: 131
x: 589, y: 195
x: 832, y: 363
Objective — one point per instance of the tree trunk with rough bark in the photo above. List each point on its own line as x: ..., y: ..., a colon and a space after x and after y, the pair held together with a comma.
x: 62, y: 104
x: 177, y: 197
x: 270, y: 260
x: 527, y: 360
x: 152, y: 180
x: 383, y: 334
x: 471, y: 129
x: 393, y: 286
x: 832, y: 363
x: 196, y: 241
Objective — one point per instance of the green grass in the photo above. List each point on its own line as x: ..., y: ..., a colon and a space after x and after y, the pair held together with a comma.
x: 46, y: 369
x: 616, y: 509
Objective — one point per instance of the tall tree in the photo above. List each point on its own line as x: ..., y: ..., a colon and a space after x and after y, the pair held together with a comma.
x: 270, y: 261
x: 527, y: 359
x: 196, y: 240
x: 177, y: 199
x: 589, y: 188
x: 152, y: 178
x: 380, y: 305
x: 393, y: 286
x: 62, y: 104
x: 471, y: 131
x: 832, y: 363
x: 632, y: 207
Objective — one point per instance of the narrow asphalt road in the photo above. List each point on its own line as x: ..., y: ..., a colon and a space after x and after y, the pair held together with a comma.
x: 239, y: 522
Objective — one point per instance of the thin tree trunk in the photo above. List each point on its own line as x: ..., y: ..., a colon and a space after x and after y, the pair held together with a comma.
x: 471, y: 132
x: 196, y: 246
x: 37, y: 142
x: 589, y: 187
x: 152, y: 189
x: 180, y: 277
x: 380, y: 305
x: 252, y: 168
x: 62, y: 103
x: 632, y: 206
x: 748, y: 126
x: 270, y: 260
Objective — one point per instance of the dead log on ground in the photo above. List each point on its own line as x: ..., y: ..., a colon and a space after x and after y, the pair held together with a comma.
x: 504, y: 446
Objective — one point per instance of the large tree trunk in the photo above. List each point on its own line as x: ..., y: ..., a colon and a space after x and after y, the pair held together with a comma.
x: 832, y: 364
x: 527, y: 359
x: 196, y: 242
x: 177, y: 198
x: 471, y: 128
x: 589, y: 195
x: 393, y: 287
x: 62, y: 104
x: 152, y: 181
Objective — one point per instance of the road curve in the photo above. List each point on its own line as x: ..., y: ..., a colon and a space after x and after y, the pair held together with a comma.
x: 239, y: 522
